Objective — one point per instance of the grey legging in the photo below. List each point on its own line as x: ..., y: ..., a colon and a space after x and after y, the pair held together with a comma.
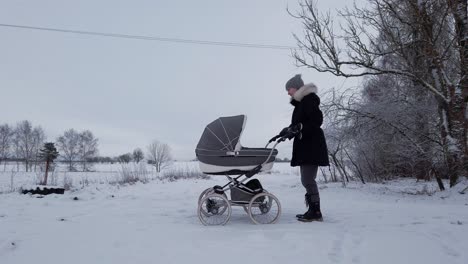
x: 308, y: 175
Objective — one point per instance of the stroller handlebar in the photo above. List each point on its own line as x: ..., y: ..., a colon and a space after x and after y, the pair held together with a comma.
x: 277, y: 139
x: 273, y: 139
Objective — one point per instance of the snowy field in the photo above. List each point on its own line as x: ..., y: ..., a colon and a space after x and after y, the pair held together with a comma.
x: 157, y: 223
x: 12, y: 177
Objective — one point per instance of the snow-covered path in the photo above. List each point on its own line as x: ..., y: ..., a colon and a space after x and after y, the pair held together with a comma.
x: 157, y: 223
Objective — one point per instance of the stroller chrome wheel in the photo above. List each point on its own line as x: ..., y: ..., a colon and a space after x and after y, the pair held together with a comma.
x: 207, y: 192
x: 246, y: 207
x: 204, y: 193
x: 214, y: 209
x: 264, y: 208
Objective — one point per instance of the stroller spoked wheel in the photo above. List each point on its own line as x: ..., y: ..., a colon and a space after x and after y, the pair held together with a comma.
x: 246, y: 207
x: 207, y: 192
x: 264, y: 208
x: 214, y: 209
x: 204, y: 193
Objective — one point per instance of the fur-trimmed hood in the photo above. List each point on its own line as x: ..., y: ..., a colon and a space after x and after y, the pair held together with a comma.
x: 303, y: 91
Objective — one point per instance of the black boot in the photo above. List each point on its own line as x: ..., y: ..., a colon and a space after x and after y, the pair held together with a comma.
x: 306, y: 199
x: 313, y: 214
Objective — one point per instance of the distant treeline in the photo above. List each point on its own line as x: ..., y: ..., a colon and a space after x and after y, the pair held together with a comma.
x: 21, y: 143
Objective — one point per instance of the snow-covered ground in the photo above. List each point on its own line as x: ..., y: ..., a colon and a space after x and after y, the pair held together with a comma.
x: 396, y: 222
x: 13, y: 177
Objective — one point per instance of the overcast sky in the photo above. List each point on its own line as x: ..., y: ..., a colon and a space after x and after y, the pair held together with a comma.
x: 129, y: 92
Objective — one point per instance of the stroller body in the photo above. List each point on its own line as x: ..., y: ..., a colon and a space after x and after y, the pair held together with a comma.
x: 219, y: 152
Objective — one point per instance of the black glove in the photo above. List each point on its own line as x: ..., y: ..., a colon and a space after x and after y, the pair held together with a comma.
x: 290, y: 134
x: 283, y: 132
x: 296, y: 127
x: 293, y: 131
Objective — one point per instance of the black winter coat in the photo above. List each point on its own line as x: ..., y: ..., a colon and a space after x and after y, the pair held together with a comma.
x: 311, y: 147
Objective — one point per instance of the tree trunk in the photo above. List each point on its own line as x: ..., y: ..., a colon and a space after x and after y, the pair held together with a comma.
x: 460, y: 13
x: 339, y: 168
x: 454, y: 139
x: 452, y: 108
x: 440, y: 183
x: 436, y: 175
x: 358, y: 170
x: 70, y: 165
x: 46, y: 172
x: 324, y: 175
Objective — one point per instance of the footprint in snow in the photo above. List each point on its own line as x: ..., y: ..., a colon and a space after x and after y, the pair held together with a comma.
x: 8, y: 246
x: 336, y: 252
x: 444, y: 246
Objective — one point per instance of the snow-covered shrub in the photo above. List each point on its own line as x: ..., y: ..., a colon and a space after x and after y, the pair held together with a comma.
x: 67, y: 182
x: 178, y: 173
x: 133, y: 174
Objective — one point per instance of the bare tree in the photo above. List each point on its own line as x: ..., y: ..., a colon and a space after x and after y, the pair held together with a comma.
x: 125, y: 158
x: 37, y: 141
x: 88, y: 148
x: 138, y: 155
x: 69, y: 147
x: 26, y: 140
x: 430, y: 29
x: 159, y: 155
x: 16, y: 151
x: 374, y: 133
x: 6, y: 133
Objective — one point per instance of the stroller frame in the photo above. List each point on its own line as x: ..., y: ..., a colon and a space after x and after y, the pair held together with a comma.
x: 213, y: 202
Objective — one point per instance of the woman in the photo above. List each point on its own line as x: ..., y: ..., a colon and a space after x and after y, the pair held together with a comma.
x: 309, y: 146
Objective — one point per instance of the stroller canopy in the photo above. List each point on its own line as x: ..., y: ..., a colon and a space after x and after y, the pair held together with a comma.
x: 223, y: 134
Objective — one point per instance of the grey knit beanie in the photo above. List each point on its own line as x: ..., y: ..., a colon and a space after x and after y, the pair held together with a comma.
x: 295, y: 82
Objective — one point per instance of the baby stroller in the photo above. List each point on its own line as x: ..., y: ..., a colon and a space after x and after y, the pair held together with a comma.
x: 219, y: 152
